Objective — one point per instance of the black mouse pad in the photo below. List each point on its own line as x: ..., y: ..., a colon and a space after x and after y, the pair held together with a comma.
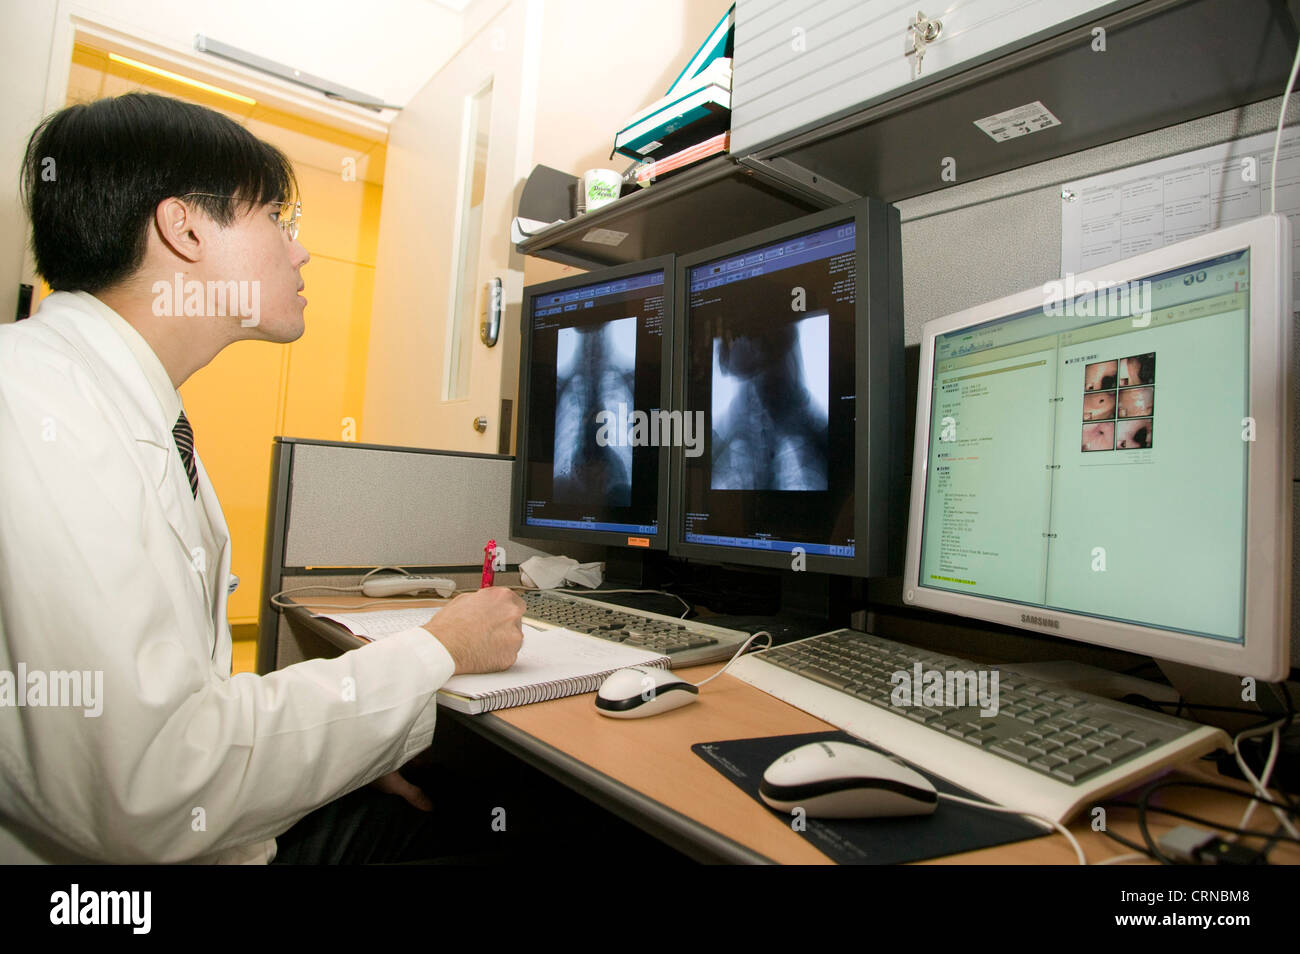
x: 952, y: 829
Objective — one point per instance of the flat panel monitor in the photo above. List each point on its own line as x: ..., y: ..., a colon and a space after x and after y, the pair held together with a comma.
x: 790, y: 366
x: 594, y: 378
x: 1108, y: 458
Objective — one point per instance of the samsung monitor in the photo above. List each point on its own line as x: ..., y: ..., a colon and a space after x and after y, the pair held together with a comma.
x: 1108, y: 458
x: 594, y: 375
x: 789, y: 363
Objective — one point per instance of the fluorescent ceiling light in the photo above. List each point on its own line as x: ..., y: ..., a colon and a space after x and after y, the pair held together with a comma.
x: 177, y: 77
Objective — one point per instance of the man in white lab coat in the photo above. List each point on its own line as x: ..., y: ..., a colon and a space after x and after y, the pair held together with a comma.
x: 123, y: 735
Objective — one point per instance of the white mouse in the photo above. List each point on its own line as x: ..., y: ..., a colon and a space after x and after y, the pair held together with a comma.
x: 641, y: 691
x: 840, y: 780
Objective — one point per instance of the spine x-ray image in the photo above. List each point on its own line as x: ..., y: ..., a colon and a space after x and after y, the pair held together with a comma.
x: 594, y: 372
x: 770, y: 401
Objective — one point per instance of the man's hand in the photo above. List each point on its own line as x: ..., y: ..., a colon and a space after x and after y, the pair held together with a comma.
x: 394, y: 784
x: 481, y: 630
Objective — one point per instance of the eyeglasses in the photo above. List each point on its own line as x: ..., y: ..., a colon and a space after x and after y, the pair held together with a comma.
x: 290, y: 212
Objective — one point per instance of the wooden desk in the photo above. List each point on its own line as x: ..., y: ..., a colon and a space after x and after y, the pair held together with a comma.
x: 644, y: 771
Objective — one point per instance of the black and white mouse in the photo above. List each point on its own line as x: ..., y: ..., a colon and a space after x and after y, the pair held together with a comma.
x: 640, y: 691
x: 840, y: 780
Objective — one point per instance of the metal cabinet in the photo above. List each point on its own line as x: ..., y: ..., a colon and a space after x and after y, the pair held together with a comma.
x: 800, y: 62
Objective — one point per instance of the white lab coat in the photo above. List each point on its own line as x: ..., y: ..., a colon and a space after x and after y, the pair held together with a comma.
x: 98, y: 532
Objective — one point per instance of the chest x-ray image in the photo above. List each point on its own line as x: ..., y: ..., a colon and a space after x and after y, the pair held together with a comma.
x: 594, y: 371
x: 770, y: 402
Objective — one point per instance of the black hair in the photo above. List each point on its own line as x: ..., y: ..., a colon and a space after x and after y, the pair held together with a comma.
x: 94, y: 173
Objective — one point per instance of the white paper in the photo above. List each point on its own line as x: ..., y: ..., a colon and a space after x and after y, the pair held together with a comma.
x: 380, y: 623
x: 1114, y: 216
x: 1021, y: 121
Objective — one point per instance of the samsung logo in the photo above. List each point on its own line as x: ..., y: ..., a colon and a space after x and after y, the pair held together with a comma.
x: 1040, y: 620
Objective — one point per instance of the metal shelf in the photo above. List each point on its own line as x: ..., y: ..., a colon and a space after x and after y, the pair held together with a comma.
x: 706, y: 204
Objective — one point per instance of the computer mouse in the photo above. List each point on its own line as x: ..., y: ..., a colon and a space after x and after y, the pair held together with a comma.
x: 640, y: 691
x: 840, y: 780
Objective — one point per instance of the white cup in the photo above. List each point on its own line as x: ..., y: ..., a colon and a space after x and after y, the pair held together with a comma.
x: 600, y: 187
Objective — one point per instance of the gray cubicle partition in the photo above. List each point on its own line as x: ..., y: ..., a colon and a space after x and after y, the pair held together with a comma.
x: 339, y: 509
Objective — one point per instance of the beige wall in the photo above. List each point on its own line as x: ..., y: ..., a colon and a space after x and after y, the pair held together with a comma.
x: 597, y: 64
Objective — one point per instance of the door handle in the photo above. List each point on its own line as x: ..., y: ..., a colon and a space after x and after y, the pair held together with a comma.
x: 489, y: 330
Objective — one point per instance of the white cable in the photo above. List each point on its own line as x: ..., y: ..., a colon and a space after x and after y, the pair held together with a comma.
x: 276, y: 601
x: 1281, y: 118
x: 378, y: 568
x: 387, y: 600
x: 1013, y: 811
x: 743, y: 647
x: 1119, y: 859
x: 1261, y: 784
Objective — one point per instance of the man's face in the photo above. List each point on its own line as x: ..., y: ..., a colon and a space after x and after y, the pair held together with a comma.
x: 256, y: 253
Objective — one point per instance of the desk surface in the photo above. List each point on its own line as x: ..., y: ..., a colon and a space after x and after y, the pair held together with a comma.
x: 645, y: 771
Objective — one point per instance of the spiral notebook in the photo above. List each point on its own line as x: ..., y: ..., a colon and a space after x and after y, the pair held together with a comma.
x: 552, y: 663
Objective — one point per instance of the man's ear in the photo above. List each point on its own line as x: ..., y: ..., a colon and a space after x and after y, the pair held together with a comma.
x: 180, y: 228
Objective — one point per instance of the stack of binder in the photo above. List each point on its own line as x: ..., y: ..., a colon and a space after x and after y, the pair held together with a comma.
x: 696, y: 108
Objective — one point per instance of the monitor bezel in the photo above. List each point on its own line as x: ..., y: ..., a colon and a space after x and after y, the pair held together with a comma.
x: 1265, y: 648
x: 878, y: 477
x: 518, y: 527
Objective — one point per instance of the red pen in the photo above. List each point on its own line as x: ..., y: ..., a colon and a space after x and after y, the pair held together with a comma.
x: 488, y: 553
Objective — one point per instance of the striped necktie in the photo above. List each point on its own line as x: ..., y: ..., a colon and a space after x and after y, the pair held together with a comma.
x: 183, y: 434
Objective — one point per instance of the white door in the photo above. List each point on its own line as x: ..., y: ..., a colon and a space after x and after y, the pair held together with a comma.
x: 456, y: 155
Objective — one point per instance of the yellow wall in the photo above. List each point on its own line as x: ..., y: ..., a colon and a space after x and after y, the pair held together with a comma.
x: 254, y: 390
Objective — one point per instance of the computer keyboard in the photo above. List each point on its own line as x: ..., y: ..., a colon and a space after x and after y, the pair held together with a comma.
x: 1036, y: 748
x: 685, y: 643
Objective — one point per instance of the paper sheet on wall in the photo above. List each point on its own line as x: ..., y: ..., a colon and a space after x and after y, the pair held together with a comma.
x: 1123, y: 213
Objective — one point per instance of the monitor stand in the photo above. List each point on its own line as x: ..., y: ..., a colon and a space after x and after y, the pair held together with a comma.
x: 1211, y: 688
x: 632, y: 568
x: 810, y: 603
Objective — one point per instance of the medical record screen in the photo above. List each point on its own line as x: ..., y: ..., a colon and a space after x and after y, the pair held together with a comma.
x: 1091, y: 456
x: 596, y: 360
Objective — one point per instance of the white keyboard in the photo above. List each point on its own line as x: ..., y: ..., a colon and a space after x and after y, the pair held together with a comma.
x: 1047, y: 751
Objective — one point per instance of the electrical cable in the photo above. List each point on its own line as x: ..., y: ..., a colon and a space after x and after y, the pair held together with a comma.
x: 1143, y: 807
x: 743, y: 647
x: 1078, y: 851
x: 1277, y: 142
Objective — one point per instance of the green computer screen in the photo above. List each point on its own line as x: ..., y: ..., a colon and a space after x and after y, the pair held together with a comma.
x: 1090, y: 456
